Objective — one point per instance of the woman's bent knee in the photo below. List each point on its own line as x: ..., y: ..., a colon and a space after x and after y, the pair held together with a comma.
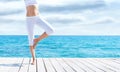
x: 50, y: 31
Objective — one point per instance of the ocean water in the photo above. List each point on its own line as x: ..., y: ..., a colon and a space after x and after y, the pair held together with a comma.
x: 62, y: 46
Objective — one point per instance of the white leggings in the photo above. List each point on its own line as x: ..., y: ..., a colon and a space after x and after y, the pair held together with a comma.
x: 31, y: 21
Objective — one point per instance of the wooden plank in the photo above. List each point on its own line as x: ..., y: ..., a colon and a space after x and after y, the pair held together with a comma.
x: 73, y: 60
x: 40, y: 65
x: 106, y: 67
x: 49, y: 65
x: 15, y: 65
x: 60, y: 65
x: 6, y: 64
x: 91, y: 66
x: 116, y: 61
x: 112, y: 65
x: 25, y: 65
x: 64, y: 65
x: 98, y: 65
x: 81, y: 65
x: 73, y: 65
x: 56, y: 65
x: 32, y: 68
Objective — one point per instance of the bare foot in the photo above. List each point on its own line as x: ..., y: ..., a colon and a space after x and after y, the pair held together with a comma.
x: 35, y: 43
x: 33, y: 62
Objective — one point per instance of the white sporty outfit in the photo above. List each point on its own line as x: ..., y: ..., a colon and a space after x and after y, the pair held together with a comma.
x: 30, y: 2
x: 38, y: 20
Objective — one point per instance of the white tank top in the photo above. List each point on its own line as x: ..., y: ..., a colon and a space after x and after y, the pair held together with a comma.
x: 30, y: 2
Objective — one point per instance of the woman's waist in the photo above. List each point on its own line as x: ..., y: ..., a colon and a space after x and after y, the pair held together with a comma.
x: 32, y: 14
x: 32, y: 10
x: 31, y: 7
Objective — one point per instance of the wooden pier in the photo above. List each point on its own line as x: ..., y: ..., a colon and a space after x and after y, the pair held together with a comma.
x: 60, y: 65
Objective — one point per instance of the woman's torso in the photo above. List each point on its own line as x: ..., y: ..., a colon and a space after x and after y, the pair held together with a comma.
x: 31, y: 7
x: 32, y: 10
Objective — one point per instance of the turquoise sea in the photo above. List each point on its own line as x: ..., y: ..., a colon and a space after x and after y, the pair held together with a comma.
x: 62, y: 46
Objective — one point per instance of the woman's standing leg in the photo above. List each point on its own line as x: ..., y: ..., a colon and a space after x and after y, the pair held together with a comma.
x: 30, y: 28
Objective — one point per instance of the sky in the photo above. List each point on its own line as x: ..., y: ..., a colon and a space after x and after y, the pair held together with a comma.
x: 68, y: 17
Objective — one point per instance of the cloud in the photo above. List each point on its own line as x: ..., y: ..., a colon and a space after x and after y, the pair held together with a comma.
x: 101, y: 20
x: 74, y: 17
x: 105, y: 20
x: 64, y: 21
x: 65, y: 18
x: 12, y: 28
x: 112, y: 1
x: 14, y: 7
x: 3, y: 13
x: 66, y: 8
x: 6, y: 0
x: 10, y: 21
x: 12, y: 18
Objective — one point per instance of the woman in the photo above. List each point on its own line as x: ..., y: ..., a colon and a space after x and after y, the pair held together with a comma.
x: 32, y: 18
